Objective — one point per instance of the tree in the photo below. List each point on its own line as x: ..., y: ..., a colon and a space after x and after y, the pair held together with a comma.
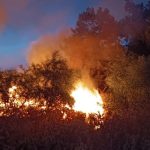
x: 52, y: 79
x: 60, y: 79
x: 95, y: 37
x: 135, y: 27
x: 129, y: 86
x: 97, y: 23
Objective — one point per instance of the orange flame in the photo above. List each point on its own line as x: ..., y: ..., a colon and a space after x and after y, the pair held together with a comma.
x: 86, y: 100
x: 17, y: 101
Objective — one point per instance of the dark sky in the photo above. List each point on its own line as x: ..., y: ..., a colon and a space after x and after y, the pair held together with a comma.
x: 24, y: 21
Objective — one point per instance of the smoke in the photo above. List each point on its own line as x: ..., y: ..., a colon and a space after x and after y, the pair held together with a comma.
x: 7, y: 8
x: 116, y: 7
x: 134, y: 26
x: 3, y: 16
x: 81, y: 53
x: 32, y: 16
x: 42, y: 49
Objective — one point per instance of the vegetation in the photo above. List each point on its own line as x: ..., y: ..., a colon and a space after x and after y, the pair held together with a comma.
x: 123, y: 81
x: 49, y: 80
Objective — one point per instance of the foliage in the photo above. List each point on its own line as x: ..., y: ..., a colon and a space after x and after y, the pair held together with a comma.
x: 49, y: 80
x: 136, y: 27
x: 52, y: 132
x: 100, y: 26
x: 129, y: 86
x: 123, y: 82
x: 97, y: 22
x: 108, y: 31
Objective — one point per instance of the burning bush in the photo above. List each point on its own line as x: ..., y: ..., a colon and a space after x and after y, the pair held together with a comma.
x: 38, y: 85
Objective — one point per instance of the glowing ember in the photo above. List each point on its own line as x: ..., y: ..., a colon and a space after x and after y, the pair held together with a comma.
x: 64, y: 116
x: 86, y: 100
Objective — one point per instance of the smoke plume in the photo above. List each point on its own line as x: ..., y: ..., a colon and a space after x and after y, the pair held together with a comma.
x: 3, y: 16
x: 80, y: 53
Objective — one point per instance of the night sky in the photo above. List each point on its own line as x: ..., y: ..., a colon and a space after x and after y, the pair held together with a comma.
x: 25, y: 21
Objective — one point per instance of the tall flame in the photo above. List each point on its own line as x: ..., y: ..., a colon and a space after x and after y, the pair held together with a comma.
x: 86, y: 100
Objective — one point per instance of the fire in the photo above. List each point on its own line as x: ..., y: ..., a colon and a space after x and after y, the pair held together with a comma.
x: 16, y: 101
x: 86, y: 100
